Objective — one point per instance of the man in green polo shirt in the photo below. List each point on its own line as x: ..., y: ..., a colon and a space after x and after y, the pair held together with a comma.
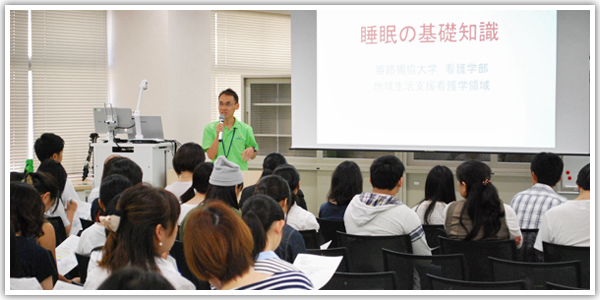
x: 239, y: 144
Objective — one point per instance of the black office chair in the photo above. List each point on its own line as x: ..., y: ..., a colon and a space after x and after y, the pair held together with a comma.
x: 342, y: 251
x: 412, y: 269
x: 60, y: 233
x: 85, y: 223
x: 327, y: 230
x: 477, y: 253
x: 554, y: 286
x: 366, y: 254
x: 440, y: 283
x: 431, y: 234
x: 311, y: 238
x: 179, y: 255
x: 82, y: 263
x: 362, y: 281
x: 555, y: 253
x: 527, y: 253
x: 536, y: 274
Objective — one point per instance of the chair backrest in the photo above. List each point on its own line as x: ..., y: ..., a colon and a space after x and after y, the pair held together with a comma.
x: 477, y: 253
x: 82, y: 262
x: 555, y: 253
x: 178, y: 253
x: 412, y: 269
x: 327, y: 230
x: 362, y: 281
x: 440, y: 283
x: 536, y: 274
x: 85, y: 223
x: 311, y: 238
x: 366, y: 252
x: 554, y: 286
x: 341, y: 251
x: 431, y: 234
x: 59, y: 229
x: 527, y: 253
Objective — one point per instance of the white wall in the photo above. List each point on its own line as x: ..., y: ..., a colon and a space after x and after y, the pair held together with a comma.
x: 171, y: 49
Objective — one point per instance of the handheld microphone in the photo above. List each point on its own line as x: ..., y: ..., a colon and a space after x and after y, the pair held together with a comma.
x: 221, y: 120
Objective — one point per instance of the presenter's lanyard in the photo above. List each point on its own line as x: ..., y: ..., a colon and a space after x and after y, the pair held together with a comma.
x: 230, y: 143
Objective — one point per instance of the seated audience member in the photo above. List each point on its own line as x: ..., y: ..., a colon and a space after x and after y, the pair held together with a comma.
x: 481, y: 215
x: 218, y: 248
x: 292, y: 242
x: 135, y: 278
x: 95, y: 236
x: 271, y: 161
x: 51, y: 146
x: 68, y: 211
x: 379, y: 212
x: 346, y: 182
x: 197, y: 192
x: 439, y: 191
x: 225, y: 184
x: 187, y: 157
x: 568, y: 223
x: 95, y: 192
x: 531, y: 204
x: 142, y: 231
x: 297, y: 217
x: 265, y: 218
x: 122, y: 166
x: 31, y: 266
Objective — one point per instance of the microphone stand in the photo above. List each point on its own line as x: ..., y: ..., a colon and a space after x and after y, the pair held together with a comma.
x: 86, y: 168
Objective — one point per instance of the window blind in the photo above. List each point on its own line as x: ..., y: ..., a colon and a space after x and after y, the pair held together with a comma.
x: 247, y: 43
x: 70, y: 77
x: 18, y: 140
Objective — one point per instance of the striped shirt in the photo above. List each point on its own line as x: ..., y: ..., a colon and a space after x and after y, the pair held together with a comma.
x: 532, y: 203
x: 269, y: 262
x: 289, y: 280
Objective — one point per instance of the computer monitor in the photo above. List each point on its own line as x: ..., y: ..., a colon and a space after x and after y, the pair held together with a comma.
x: 112, y: 119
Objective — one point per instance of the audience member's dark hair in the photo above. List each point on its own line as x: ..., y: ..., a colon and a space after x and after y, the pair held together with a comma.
x: 127, y: 168
x: 59, y: 173
x: 135, y: 278
x: 260, y: 211
x: 217, y: 243
x: 108, y: 164
x: 346, y: 182
x: 229, y: 92
x: 583, y: 178
x: 188, y: 157
x: 227, y: 194
x: 482, y: 205
x: 16, y: 176
x: 111, y: 186
x: 276, y: 187
x: 292, y: 176
x: 199, y: 181
x: 386, y: 171
x: 47, y: 145
x: 439, y: 187
x: 547, y: 167
x: 14, y: 254
x: 26, y: 210
x: 271, y: 162
x: 44, y: 183
x: 142, y: 208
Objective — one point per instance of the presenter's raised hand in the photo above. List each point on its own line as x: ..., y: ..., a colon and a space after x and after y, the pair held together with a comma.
x: 219, y: 127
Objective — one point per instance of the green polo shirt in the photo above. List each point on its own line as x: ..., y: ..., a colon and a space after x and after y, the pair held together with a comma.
x: 235, y: 141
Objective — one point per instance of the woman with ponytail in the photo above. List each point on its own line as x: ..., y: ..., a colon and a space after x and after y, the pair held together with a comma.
x: 197, y: 192
x: 481, y: 215
x: 265, y: 219
x: 141, y: 232
x: 271, y: 161
x: 439, y: 191
x: 297, y: 217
